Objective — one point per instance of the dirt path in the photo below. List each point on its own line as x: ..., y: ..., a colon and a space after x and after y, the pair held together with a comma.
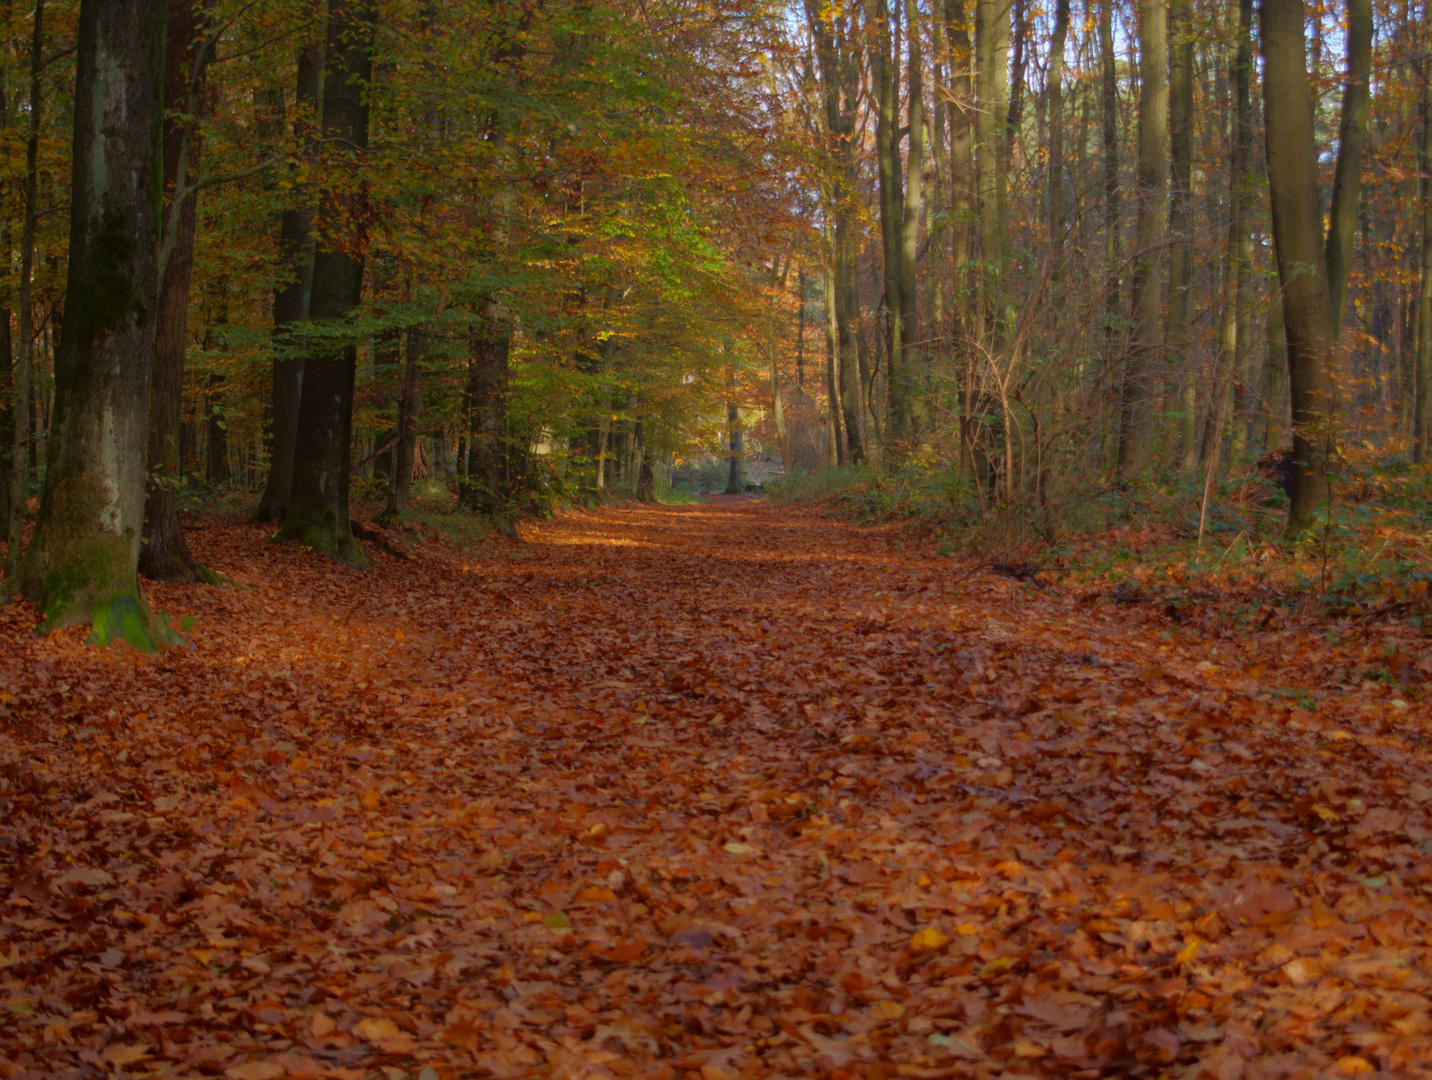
x: 716, y: 791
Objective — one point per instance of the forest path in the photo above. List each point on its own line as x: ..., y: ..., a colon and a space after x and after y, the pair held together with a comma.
x: 727, y: 790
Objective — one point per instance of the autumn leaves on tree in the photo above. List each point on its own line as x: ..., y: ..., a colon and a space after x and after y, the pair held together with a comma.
x: 536, y: 253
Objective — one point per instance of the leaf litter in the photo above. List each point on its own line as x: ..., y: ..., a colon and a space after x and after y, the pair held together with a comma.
x: 703, y: 792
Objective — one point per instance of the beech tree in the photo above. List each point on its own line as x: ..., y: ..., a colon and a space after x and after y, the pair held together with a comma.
x: 82, y: 562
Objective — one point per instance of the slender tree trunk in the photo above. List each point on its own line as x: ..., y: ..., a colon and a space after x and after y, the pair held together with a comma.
x: 400, y: 485
x: 1180, y: 213
x: 1056, y: 139
x: 82, y: 563
x: 887, y: 142
x: 835, y: 454
x: 490, y: 348
x: 164, y: 554
x: 1136, y: 416
x: 1352, y: 135
x: 1422, y: 376
x: 991, y: 45
x: 292, y: 301
x: 318, y: 511
x: 1109, y: 119
x: 904, y: 391
x: 22, y: 449
x: 1240, y: 226
x: 1302, y: 269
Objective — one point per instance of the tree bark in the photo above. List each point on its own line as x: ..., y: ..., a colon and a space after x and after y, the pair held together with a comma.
x: 164, y: 554
x: 1302, y: 269
x: 1136, y: 415
x: 82, y: 564
x: 905, y: 403
x: 318, y: 512
x: 1109, y: 120
x: 489, y: 348
x: 21, y: 447
x: 1422, y: 375
x: 1352, y: 134
x: 400, y: 484
x: 291, y: 304
x: 1180, y: 210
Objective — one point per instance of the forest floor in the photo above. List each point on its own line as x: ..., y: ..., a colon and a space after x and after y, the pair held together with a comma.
x: 710, y: 791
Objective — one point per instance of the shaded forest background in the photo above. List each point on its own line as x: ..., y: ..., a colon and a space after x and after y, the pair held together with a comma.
x: 1026, y: 254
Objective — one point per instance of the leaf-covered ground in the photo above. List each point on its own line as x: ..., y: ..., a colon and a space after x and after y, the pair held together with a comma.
x: 712, y: 791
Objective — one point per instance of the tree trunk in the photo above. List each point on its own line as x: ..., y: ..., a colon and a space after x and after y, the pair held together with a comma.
x: 1422, y: 375
x: 1056, y: 139
x: 903, y: 406
x: 887, y: 142
x: 164, y: 554
x: 400, y: 485
x: 1240, y: 228
x: 1136, y: 415
x: 1109, y: 119
x: 82, y: 564
x: 1180, y: 211
x: 991, y: 80
x: 291, y: 304
x: 836, y: 454
x: 645, y: 477
x: 489, y: 348
x: 22, y: 448
x: 318, y: 512
x: 1352, y: 134
x: 1302, y: 269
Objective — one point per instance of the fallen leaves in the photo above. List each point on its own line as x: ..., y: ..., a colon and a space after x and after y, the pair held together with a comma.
x: 771, y: 800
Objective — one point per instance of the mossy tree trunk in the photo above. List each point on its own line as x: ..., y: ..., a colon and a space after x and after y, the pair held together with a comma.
x: 82, y: 563
x: 164, y: 554
x: 317, y: 514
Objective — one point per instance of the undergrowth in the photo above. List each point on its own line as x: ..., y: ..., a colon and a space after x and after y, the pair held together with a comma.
x: 1369, y: 557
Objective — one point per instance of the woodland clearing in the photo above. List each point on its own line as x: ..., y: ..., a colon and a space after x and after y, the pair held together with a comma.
x: 706, y: 791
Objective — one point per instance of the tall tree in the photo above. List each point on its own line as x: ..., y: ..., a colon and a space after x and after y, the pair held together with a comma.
x: 292, y: 298
x: 1302, y: 264
x: 1180, y: 209
x: 1422, y: 370
x: 1151, y: 190
x: 317, y: 514
x: 1352, y: 135
x: 164, y: 554
x: 82, y: 562
x: 24, y: 361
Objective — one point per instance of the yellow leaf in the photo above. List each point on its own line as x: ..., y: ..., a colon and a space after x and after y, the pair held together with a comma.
x: 1354, y: 1066
x: 370, y: 799
x: 967, y: 929
x: 255, y: 1070
x: 400, y: 636
x: 1026, y: 1048
x: 126, y: 1055
x: 739, y: 849
x: 1304, y: 970
x: 298, y: 764
x: 555, y: 920
x: 595, y: 894
x: 1189, y: 953
x: 887, y: 1010
x: 377, y: 1028
x: 928, y: 940
x: 1327, y: 813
